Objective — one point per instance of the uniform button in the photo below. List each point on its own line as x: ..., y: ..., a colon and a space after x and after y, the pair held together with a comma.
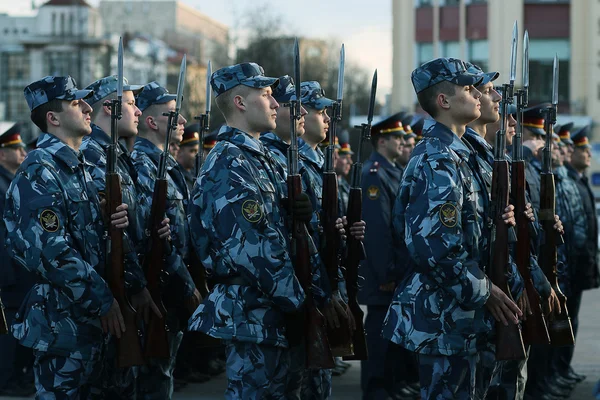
x: 427, y: 287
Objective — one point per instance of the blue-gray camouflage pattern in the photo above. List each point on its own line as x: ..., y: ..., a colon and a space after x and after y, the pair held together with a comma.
x: 95, y: 148
x: 53, y: 87
x: 66, y: 378
x: 256, y: 371
x: 487, y: 76
x: 248, y: 74
x: 155, y: 380
x: 438, y: 309
x: 314, y: 96
x: 145, y: 157
x: 108, y: 85
x: 153, y: 93
x: 238, y: 230
x: 569, y: 207
x: 285, y: 90
x: 443, y: 69
x: 55, y: 229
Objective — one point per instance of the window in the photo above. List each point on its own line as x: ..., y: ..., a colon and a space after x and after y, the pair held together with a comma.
x: 450, y: 49
x: 424, y: 53
x: 541, y: 57
x: 478, y: 53
x: 422, y: 3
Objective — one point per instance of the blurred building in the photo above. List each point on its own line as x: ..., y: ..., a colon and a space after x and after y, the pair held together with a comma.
x: 63, y: 37
x: 180, y: 26
x: 480, y: 31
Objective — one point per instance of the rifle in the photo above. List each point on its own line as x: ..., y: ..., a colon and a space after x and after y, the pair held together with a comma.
x: 559, y: 325
x: 311, y: 322
x: 356, y: 250
x: 340, y: 338
x: 3, y: 324
x: 509, y: 343
x: 196, y: 268
x: 129, y: 350
x: 157, y: 345
x: 534, y: 330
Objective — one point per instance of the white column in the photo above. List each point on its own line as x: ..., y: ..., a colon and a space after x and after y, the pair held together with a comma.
x: 403, y: 45
x: 500, y: 24
x: 462, y: 29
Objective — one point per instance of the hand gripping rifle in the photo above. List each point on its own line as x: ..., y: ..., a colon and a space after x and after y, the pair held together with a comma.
x: 129, y: 350
x: 157, y: 345
x: 534, y: 330
x: 339, y: 338
x: 311, y: 324
x: 197, y: 270
x: 356, y: 250
x: 509, y: 343
x: 559, y: 325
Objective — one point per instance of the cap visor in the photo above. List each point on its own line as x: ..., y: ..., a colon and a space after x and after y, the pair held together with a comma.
x: 164, y: 99
x: 76, y: 95
x: 260, y: 82
x: 489, y: 77
x: 410, y: 135
x: 320, y: 103
x: 537, y: 131
x: 134, y: 88
x: 468, y: 79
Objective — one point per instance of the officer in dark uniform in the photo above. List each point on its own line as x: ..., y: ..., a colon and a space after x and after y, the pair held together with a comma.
x: 410, y: 139
x: 186, y: 157
x: 14, y: 282
x: 533, y: 141
x: 343, y: 164
x: 380, y: 181
x: 587, y: 276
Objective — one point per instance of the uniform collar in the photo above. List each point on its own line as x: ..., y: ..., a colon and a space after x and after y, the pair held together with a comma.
x: 383, y: 162
x: 271, y: 139
x: 147, y: 147
x: 447, y: 137
x: 6, y: 173
x: 314, y: 156
x: 60, y: 150
x: 471, y: 133
x: 100, y: 136
x: 241, y: 139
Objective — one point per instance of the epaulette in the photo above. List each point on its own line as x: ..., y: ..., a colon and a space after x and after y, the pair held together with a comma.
x: 374, y: 167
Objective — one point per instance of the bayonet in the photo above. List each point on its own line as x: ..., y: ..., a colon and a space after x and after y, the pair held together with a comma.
x: 526, y: 61
x: 513, y: 54
x: 204, y: 120
x: 555, y: 81
x: 208, y: 88
x: 340, y: 83
x: 172, y: 121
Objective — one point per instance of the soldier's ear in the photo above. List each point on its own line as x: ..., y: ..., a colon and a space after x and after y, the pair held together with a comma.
x: 239, y: 102
x: 52, y: 118
x: 442, y: 101
x: 151, y: 123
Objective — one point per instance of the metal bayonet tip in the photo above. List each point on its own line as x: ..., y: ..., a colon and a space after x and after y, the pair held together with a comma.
x: 120, y: 69
x: 513, y: 53
x: 340, y: 87
x: 555, y: 81
x: 208, y: 88
x: 526, y: 59
x: 372, y: 98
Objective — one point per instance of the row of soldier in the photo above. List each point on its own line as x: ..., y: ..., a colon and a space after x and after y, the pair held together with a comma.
x: 237, y: 224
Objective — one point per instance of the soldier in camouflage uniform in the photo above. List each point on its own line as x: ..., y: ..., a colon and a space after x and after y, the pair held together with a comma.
x: 239, y: 233
x: 156, y: 377
x: 120, y: 383
x: 445, y: 305
x: 67, y: 315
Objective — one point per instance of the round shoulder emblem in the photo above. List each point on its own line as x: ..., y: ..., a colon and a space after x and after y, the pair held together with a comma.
x: 373, y: 192
x: 449, y: 215
x: 49, y: 221
x: 252, y: 211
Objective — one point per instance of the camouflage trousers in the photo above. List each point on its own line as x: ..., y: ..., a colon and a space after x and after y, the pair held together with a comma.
x: 455, y: 377
x: 509, y: 380
x: 155, y: 379
x: 305, y: 383
x: 116, y: 383
x: 256, y: 371
x: 65, y: 378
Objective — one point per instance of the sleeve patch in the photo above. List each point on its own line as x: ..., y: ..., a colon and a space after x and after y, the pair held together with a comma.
x: 49, y: 221
x: 252, y: 211
x: 449, y: 215
x: 373, y: 192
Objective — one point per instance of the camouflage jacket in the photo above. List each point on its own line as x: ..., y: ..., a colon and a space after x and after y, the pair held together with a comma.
x: 55, y: 228
x: 239, y: 233
x: 95, y: 149
x: 569, y: 206
x: 278, y: 149
x: 145, y: 160
x: 439, y: 308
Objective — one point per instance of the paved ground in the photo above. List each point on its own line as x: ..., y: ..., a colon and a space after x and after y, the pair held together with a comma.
x: 347, y: 387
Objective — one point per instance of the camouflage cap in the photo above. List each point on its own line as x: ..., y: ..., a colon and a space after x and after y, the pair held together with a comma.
x: 51, y: 88
x: 108, y: 85
x: 314, y: 96
x: 443, y: 69
x: 487, y: 76
x: 247, y: 74
x: 285, y: 91
x: 153, y: 93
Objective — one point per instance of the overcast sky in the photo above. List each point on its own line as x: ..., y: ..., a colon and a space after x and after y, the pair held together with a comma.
x: 364, y: 26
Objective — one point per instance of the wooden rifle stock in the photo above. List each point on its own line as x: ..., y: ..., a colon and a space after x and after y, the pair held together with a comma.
x: 340, y: 338
x: 509, y: 343
x: 559, y: 325
x: 157, y: 344
x: 534, y: 330
x: 309, y: 323
x: 129, y: 350
x: 355, y: 254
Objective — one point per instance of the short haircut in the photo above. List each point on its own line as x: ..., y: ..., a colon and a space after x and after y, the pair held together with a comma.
x: 97, y: 106
x: 225, y: 100
x: 428, y: 97
x: 38, y: 115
